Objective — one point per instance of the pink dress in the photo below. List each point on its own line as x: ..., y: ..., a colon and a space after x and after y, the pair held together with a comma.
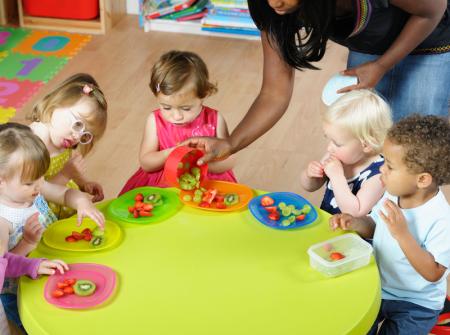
x: 169, y: 135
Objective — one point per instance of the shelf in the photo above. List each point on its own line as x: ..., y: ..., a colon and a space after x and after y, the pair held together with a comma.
x: 111, y: 11
x: 188, y: 27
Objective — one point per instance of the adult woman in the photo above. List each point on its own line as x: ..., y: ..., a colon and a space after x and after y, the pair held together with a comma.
x: 401, y: 47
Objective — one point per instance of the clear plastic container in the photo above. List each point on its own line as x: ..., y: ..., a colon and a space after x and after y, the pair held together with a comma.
x: 355, y: 250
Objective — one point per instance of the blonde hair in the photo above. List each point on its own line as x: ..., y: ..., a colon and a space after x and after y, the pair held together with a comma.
x: 33, y: 157
x: 175, y: 69
x: 67, y: 94
x: 364, y: 114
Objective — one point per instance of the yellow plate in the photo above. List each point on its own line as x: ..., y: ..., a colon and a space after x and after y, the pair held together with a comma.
x: 57, y: 232
x: 245, y: 195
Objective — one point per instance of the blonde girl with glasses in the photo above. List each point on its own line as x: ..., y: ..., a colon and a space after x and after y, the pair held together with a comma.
x: 70, y: 120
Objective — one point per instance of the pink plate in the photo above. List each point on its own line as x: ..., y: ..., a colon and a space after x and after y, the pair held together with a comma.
x: 103, y: 277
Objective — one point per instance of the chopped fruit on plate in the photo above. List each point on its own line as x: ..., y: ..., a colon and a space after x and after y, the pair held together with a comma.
x: 267, y: 201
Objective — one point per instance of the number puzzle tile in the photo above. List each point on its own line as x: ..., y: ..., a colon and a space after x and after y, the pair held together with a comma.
x: 47, y: 43
x: 6, y: 114
x: 31, y: 67
x: 9, y: 37
x: 14, y: 93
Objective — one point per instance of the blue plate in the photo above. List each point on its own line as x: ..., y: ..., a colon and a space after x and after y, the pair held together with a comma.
x: 288, y: 198
x: 335, y: 83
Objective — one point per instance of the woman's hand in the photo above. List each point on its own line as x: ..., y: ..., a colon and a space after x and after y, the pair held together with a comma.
x: 47, y: 267
x: 215, y: 149
x: 94, y: 189
x: 369, y: 74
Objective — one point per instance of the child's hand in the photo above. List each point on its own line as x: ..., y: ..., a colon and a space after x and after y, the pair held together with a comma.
x: 32, y: 230
x: 94, y: 189
x: 342, y: 221
x: 49, y: 267
x: 86, y: 208
x: 333, y: 167
x: 314, y: 170
x: 394, y: 219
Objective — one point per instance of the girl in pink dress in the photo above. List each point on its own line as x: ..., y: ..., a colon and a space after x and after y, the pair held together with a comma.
x: 180, y: 83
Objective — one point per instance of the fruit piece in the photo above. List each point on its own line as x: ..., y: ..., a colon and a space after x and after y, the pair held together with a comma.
x: 285, y: 223
x: 282, y: 205
x: 286, y: 211
x: 96, y: 241
x: 57, y: 293
x: 78, y: 236
x: 197, y: 199
x: 138, y: 204
x: 187, y: 197
x: 147, y: 207
x: 131, y: 209
x: 84, y: 288
x: 68, y: 290
x: 139, y: 197
x: 306, y: 209
x: 297, y: 212
x: 209, y: 195
x: 275, y: 216
x: 219, y: 197
x: 61, y: 285
x: 291, y: 218
x: 98, y: 232
x: 231, y: 199
x: 155, y: 199
x: 70, y: 281
x: 135, y: 214
x: 145, y: 213
x: 300, y: 217
x: 196, y: 172
x: 271, y: 209
x: 70, y: 239
x: 187, y: 181
x: 335, y: 256
x: 221, y: 205
x: 205, y: 204
x: 267, y: 201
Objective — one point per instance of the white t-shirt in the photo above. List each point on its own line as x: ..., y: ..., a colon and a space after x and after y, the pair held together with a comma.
x: 430, y: 226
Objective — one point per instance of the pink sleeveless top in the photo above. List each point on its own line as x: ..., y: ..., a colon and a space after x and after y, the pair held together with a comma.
x: 169, y: 135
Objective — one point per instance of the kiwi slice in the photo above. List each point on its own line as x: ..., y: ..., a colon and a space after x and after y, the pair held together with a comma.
x: 231, y: 199
x: 98, y: 232
x: 97, y: 241
x: 154, y: 198
x: 84, y: 288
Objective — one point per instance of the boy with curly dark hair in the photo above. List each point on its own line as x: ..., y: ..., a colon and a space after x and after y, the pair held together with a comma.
x: 410, y: 225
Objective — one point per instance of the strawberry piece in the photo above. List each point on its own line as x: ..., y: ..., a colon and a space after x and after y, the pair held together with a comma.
x: 335, y: 256
x: 267, y: 201
x: 300, y: 217
x: 145, y: 213
x: 87, y: 237
x: 205, y: 204
x: 57, y: 293
x: 271, y: 209
x: 131, y: 209
x: 138, y: 205
x: 86, y: 231
x: 78, y: 236
x: 70, y: 281
x: 221, y: 205
x: 68, y: 290
x: 61, y: 285
x: 71, y: 239
x: 139, y: 197
x: 147, y: 207
x: 275, y: 216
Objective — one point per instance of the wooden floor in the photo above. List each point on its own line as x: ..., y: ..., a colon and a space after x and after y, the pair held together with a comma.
x: 121, y: 62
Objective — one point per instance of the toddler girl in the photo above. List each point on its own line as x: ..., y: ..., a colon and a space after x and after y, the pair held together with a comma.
x: 13, y: 266
x: 24, y: 214
x: 179, y: 81
x: 355, y: 125
x: 72, y: 116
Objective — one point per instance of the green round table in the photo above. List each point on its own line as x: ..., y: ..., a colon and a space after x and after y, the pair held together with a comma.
x: 203, y: 273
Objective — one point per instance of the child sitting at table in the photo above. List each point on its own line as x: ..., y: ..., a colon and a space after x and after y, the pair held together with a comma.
x: 180, y: 83
x: 24, y: 212
x: 355, y: 125
x: 13, y: 266
x: 410, y: 225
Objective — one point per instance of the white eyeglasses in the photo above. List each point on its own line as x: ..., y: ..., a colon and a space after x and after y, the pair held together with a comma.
x: 79, y: 128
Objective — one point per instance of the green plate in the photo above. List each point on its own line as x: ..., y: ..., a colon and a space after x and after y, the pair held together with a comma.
x: 118, y: 208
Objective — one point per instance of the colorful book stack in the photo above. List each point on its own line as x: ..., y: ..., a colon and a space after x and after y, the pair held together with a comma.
x: 180, y: 10
x: 230, y: 17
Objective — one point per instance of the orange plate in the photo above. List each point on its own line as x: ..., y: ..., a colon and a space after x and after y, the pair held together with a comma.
x: 245, y: 195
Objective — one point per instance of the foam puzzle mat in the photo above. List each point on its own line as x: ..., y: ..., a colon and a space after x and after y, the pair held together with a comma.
x: 28, y: 60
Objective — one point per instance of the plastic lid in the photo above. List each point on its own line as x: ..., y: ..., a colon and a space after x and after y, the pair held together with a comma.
x: 335, y: 83
x: 180, y: 161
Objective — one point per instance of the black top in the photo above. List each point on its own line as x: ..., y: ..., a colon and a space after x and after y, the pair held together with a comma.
x: 374, y: 25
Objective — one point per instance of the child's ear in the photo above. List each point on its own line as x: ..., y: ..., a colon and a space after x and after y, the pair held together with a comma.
x: 424, y: 180
x: 366, y: 147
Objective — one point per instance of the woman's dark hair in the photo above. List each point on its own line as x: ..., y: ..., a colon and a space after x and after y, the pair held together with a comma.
x: 297, y: 47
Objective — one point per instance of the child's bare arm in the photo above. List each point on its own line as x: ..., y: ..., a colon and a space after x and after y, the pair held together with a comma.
x: 228, y: 163
x: 421, y: 260
x: 364, y: 226
x: 4, y: 236
x: 150, y: 158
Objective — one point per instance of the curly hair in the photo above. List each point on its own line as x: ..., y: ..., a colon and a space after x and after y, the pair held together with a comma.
x: 426, y: 141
